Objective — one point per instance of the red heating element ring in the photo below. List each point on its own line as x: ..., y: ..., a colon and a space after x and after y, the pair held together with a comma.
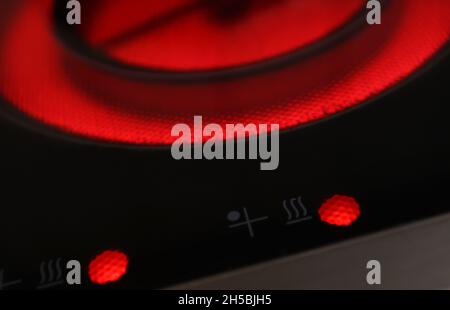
x: 195, y: 35
x: 47, y: 81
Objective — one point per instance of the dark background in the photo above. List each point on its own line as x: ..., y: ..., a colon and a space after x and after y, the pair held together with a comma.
x: 71, y: 199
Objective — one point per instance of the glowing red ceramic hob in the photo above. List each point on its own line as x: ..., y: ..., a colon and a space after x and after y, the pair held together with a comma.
x: 133, y: 69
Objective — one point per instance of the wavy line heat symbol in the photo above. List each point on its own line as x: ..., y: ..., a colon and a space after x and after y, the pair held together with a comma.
x: 47, y: 271
x: 293, y: 212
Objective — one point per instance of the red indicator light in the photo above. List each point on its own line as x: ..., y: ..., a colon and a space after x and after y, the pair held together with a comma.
x: 109, y: 266
x: 339, y: 210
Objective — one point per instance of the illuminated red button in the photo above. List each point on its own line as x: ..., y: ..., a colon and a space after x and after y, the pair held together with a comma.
x: 339, y: 210
x: 108, y: 266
